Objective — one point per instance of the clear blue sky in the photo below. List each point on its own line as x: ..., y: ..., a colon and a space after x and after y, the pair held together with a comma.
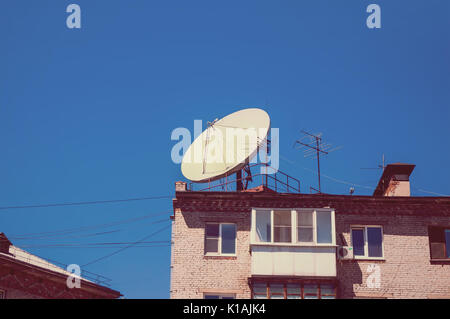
x: 87, y: 114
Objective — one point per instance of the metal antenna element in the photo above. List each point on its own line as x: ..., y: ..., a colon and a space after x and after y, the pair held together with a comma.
x: 382, y: 166
x: 314, y: 148
x: 210, y: 125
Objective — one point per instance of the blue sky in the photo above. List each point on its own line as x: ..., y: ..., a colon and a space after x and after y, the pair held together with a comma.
x: 87, y: 114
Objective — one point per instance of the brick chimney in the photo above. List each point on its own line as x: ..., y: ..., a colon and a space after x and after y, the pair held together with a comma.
x: 4, y: 244
x: 180, y: 186
x: 395, y: 180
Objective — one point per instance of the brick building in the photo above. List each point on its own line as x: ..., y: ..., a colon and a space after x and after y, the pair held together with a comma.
x: 260, y: 243
x: 26, y: 276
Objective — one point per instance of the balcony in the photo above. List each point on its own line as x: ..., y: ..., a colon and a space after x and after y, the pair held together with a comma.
x: 271, y: 260
x: 293, y: 242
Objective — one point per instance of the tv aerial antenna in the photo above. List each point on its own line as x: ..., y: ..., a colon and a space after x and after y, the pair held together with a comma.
x: 314, y: 146
x: 382, y: 166
x: 205, y: 154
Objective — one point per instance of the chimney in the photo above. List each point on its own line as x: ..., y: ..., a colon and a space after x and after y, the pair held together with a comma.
x: 395, y: 180
x: 4, y: 244
x: 180, y: 186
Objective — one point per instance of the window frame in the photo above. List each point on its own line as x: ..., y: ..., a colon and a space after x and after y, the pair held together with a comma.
x: 366, y: 243
x: 272, y: 225
x: 294, y: 227
x: 446, y: 248
x: 220, y: 295
x: 313, y: 226
x: 444, y: 229
x: 301, y: 293
x: 219, y: 242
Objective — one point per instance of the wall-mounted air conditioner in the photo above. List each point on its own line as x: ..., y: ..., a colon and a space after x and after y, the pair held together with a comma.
x: 345, y: 252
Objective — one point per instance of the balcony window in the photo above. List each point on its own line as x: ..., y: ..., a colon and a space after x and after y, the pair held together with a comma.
x: 259, y: 291
x: 305, y: 228
x: 311, y: 291
x: 293, y: 290
x: 298, y: 227
x: 282, y: 226
x: 219, y: 296
x: 324, y: 231
x: 263, y: 227
x: 327, y: 291
x: 276, y: 291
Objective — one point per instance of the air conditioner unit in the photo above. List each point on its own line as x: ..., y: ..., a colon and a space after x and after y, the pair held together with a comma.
x: 345, y: 252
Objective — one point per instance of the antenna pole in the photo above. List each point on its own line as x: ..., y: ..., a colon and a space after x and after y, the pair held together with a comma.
x: 319, y: 148
x: 205, y: 154
x: 239, y: 185
x: 318, y: 161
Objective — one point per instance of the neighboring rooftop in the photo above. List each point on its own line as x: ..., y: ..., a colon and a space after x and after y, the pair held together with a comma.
x: 10, y: 254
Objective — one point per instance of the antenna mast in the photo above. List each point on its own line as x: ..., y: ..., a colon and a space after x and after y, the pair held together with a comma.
x: 382, y: 166
x: 317, y: 146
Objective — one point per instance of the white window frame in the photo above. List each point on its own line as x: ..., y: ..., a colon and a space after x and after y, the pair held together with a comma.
x: 272, y: 225
x: 366, y: 243
x: 314, y: 226
x: 294, y: 225
x: 220, y: 295
x: 219, y: 253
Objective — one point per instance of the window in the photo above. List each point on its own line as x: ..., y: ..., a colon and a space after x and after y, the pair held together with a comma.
x: 358, y: 241
x: 263, y: 226
x: 324, y: 227
x: 327, y: 291
x: 310, y: 291
x: 303, y: 226
x: 220, y: 239
x: 439, y: 242
x: 282, y: 226
x: 259, y: 291
x: 293, y: 290
x: 447, y: 242
x: 367, y: 241
x: 219, y: 296
x: 276, y: 291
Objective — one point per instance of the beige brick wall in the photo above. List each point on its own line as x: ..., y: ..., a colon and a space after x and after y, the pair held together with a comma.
x: 193, y: 273
x: 406, y: 272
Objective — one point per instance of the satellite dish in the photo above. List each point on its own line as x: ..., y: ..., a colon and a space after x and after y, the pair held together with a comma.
x: 226, y: 145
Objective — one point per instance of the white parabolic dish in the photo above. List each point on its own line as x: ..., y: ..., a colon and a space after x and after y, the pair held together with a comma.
x: 226, y: 145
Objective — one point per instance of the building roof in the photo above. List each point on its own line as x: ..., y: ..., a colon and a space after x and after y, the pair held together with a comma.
x: 18, y: 256
x: 192, y: 201
x: 21, y: 255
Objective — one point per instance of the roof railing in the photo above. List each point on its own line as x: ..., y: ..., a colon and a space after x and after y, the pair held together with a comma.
x: 277, y: 181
